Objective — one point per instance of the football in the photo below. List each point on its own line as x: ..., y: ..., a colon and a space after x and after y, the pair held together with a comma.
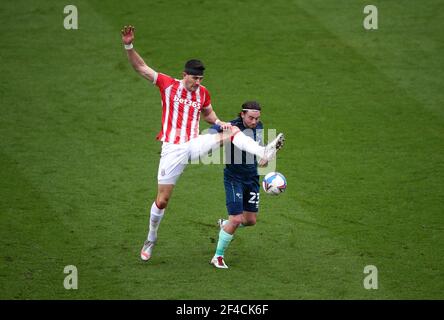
x: 274, y: 183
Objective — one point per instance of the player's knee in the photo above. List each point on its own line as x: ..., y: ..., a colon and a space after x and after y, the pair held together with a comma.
x: 162, y: 202
x: 251, y: 222
x: 236, y: 221
x: 228, y: 135
x: 234, y: 130
x: 235, y: 224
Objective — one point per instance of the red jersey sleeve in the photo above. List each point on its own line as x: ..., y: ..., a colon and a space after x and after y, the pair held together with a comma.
x: 163, y: 81
x: 207, y: 98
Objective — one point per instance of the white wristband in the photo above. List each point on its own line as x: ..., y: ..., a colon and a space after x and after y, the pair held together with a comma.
x: 217, y: 122
x: 128, y: 46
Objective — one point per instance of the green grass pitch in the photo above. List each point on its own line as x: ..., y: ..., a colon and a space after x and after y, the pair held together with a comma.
x: 363, y: 115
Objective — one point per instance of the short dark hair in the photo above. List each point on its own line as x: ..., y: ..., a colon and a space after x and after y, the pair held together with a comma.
x: 250, y: 105
x: 194, y: 67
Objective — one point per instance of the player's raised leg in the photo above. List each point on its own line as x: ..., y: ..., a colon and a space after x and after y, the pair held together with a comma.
x: 247, y: 144
x: 206, y: 142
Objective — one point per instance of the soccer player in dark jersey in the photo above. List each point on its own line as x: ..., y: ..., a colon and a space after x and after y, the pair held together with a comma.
x: 241, y: 180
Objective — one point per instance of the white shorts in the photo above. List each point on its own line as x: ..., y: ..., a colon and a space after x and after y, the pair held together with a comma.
x: 175, y: 157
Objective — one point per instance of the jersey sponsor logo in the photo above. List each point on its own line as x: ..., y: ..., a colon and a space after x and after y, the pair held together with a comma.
x: 187, y: 102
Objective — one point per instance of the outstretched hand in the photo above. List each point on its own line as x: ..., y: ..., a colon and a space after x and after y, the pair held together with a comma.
x: 225, y: 125
x: 127, y: 34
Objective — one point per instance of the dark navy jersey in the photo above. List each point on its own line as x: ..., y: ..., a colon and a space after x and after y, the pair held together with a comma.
x: 241, y: 165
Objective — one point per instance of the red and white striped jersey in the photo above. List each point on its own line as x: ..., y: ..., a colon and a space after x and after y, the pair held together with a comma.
x: 180, y: 109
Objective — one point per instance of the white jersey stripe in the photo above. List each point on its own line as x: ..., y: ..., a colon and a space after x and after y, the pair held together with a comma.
x: 167, y: 111
x: 175, y: 110
x: 195, y: 122
x: 183, y: 129
x: 195, y: 129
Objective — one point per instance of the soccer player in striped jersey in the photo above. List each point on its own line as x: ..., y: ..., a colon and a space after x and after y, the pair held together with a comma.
x: 183, y: 101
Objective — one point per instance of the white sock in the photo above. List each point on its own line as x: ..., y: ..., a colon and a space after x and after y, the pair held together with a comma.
x: 155, y: 218
x: 248, y: 144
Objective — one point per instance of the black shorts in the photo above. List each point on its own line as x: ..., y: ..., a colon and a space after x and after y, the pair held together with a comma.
x: 241, y: 196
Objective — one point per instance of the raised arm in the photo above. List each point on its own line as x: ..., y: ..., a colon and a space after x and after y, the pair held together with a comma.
x: 136, y: 61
